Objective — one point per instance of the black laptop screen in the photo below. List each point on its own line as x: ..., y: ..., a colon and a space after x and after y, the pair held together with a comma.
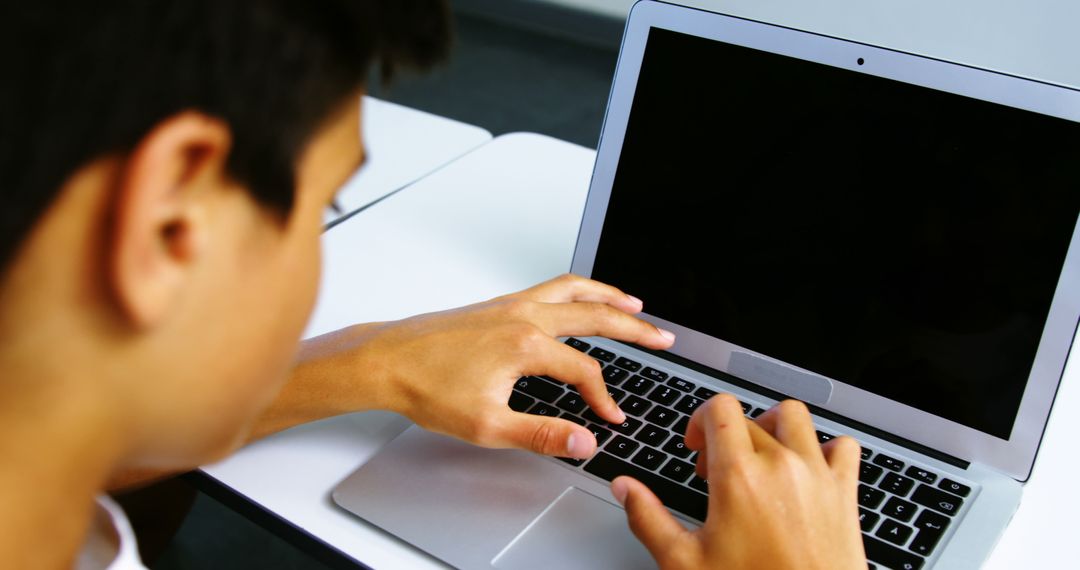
x: 896, y: 238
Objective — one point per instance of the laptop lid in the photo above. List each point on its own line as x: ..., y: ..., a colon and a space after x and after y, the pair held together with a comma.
x: 891, y: 237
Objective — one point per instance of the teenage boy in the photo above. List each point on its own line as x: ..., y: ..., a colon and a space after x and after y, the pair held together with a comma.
x: 165, y: 165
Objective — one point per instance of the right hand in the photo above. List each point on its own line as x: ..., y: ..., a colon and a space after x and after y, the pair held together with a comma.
x: 777, y: 498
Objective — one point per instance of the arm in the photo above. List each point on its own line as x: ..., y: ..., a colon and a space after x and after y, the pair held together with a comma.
x: 452, y: 372
x: 777, y: 499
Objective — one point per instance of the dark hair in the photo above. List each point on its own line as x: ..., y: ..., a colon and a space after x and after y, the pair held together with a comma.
x: 81, y: 80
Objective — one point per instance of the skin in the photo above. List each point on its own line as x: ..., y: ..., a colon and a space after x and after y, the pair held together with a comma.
x: 150, y: 324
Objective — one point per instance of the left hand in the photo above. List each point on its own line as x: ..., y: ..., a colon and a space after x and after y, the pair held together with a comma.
x: 452, y: 372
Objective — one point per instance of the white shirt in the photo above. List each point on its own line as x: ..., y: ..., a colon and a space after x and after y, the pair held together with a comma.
x: 110, y: 544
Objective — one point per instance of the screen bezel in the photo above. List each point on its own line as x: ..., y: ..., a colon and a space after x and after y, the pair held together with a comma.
x: 1014, y: 456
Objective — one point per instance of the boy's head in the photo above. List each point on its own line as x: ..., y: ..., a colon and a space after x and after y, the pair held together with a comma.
x: 165, y: 166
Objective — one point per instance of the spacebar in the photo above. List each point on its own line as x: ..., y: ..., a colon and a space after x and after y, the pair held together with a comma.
x: 673, y: 495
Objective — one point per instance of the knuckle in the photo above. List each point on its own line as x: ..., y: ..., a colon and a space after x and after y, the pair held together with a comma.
x: 517, y: 309
x: 545, y: 439
x: 523, y: 337
x: 846, y: 445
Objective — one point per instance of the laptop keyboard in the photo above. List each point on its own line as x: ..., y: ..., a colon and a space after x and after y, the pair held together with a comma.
x: 904, y: 510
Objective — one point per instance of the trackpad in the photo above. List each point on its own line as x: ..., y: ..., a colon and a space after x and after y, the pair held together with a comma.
x: 577, y: 530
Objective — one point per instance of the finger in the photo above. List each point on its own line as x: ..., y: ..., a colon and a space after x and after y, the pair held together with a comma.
x: 570, y: 288
x: 790, y: 423
x: 598, y: 319
x: 555, y: 359
x: 544, y: 435
x: 650, y: 522
x: 727, y: 438
x: 843, y: 456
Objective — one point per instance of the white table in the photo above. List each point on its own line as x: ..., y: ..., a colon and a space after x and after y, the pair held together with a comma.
x: 403, y: 145
x: 497, y: 220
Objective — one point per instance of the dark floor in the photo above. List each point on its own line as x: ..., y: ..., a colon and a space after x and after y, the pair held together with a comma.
x: 502, y: 78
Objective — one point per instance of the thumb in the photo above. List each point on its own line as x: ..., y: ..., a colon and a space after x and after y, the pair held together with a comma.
x: 650, y: 522
x: 548, y: 436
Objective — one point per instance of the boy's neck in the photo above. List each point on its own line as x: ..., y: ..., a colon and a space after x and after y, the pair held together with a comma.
x: 58, y: 451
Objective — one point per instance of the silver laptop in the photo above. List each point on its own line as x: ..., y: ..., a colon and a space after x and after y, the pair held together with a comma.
x: 890, y: 238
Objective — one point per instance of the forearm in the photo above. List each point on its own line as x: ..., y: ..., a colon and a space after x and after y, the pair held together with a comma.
x: 333, y: 375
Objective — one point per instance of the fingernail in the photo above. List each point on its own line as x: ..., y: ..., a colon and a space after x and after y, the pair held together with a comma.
x: 667, y: 334
x: 619, y: 490
x: 578, y: 447
x: 621, y: 415
x: 634, y: 299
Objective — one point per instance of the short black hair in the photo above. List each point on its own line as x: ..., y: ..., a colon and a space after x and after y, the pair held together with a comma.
x: 82, y: 80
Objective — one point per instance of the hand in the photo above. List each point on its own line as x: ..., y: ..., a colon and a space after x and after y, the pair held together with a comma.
x: 777, y: 499
x: 452, y: 372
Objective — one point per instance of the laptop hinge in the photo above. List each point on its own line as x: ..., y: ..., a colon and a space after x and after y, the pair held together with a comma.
x: 833, y: 416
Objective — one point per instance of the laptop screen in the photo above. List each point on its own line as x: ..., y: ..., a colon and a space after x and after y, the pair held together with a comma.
x: 896, y: 238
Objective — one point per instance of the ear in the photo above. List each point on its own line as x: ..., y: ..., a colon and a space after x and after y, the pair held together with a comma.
x: 159, y: 228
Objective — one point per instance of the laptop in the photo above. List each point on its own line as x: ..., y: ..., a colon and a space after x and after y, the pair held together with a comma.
x: 890, y: 238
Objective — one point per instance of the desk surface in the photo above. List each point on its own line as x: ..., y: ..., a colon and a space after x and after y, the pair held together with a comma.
x: 403, y: 145
x: 497, y: 220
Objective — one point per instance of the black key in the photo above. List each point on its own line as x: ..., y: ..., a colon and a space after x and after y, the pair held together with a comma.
x: 921, y: 474
x: 680, y: 426
x: 870, y: 497
x: 822, y: 437
x: 615, y: 393
x: 899, y: 509
x: 538, y: 388
x: 868, y: 473
x: 635, y: 406
x: 654, y: 374
x: 623, y: 362
x: 745, y: 407
x: 940, y: 501
x: 704, y: 393
x: 897, y: 484
x: 954, y: 487
x: 757, y: 412
x: 542, y: 409
x: 676, y: 446
x: 571, y: 460
x: 578, y: 344
x: 699, y: 484
x: 639, y: 385
x: 929, y: 520
x: 889, y: 463
x: 681, y: 384
x: 866, y: 453
x: 520, y: 402
x: 622, y: 446
x: 652, y: 435
x: 571, y: 402
x: 661, y: 416
x: 867, y: 519
x: 673, y: 495
x: 887, y: 554
x: 688, y: 404
x: 677, y: 470
x: 665, y: 395
x: 893, y: 532
x: 626, y: 428
x: 613, y: 375
x: 601, y: 434
x: 573, y: 418
x: 931, y: 527
x: 602, y: 355
x: 649, y: 458
x: 870, y: 566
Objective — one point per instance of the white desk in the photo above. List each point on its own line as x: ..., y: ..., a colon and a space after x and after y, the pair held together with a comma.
x: 497, y: 220
x: 403, y: 145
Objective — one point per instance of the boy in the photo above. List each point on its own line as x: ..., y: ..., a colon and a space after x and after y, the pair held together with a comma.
x: 165, y: 167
